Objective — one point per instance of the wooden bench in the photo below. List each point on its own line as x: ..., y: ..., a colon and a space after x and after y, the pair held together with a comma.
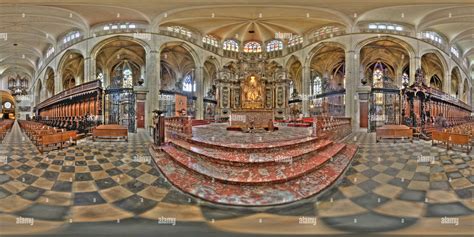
x: 68, y: 138
x: 110, y: 131
x: 394, y: 131
x: 452, y: 139
x: 437, y: 136
x: 460, y: 140
x: 53, y: 141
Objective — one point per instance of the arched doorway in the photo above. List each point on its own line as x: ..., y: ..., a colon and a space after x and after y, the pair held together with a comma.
x: 178, y: 80
x: 71, y: 69
x: 327, y: 80
x: 120, y: 64
x: 385, y: 64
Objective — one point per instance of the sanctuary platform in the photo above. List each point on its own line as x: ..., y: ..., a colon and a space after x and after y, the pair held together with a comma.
x: 235, y: 168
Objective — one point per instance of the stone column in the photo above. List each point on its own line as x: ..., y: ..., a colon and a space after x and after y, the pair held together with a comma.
x: 447, y: 83
x: 152, y: 84
x: 199, y: 78
x: 89, y: 69
x: 58, y: 83
x: 352, y: 82
x: 305, y: 85
x: 415, y: 63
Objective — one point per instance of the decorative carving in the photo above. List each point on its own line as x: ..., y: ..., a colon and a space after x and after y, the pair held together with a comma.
x: 252, y: 93
x: 252, y: 83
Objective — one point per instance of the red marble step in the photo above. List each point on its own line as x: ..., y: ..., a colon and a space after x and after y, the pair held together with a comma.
x: 245, y: 157
x: 253, y: 174
x: 251, y: 146
x: 254, y: 195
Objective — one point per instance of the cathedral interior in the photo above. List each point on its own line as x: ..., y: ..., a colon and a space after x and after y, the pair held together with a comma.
x: 236, y: 118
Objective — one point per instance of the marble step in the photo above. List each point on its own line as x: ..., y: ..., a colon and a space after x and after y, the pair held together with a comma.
x: 254, y: 174
x: 255, y: 195
x: 256, y: 146
x: 244, y: 157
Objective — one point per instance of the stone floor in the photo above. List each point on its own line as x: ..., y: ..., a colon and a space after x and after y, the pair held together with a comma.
x: 111, y: 188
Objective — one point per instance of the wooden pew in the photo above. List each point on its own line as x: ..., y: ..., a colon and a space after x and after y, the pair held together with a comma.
x: 53, y: 141
x: 68, y: 138
x: 451, y: 139
x: 460, y: 140
x: 110, y: 131
x: 438, y: 136
x: 394, y: 131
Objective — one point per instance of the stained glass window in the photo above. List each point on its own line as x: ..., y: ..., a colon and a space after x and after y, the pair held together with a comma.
x: 433, y: 36
x: 455, y: 51
x: 295, y: 40
x: 127, y: 78
x: 385, y: 26
x: 326, y: 30
x: 50, y: 52
x: 252, y: 47
x: 211, y: 40
x: 377, y: 77
x: 231, y: 45
x: 180, y: 30
x: 71, y: 36
x: 316, y: 88
x: 274, y: 45
x: 188, y: 84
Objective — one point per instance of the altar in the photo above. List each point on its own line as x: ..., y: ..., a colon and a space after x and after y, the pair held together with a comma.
x: 250, y: 93
x: 251, y: 119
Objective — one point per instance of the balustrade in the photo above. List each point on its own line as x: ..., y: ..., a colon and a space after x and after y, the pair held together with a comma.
x: 181, y: 126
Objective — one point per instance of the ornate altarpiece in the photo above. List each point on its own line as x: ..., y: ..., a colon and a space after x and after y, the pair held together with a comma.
x: 249, y: 85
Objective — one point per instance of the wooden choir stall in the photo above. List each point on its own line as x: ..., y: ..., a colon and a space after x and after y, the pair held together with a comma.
x: 78, y: 108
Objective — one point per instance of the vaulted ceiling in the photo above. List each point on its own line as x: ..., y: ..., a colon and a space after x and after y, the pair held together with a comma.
x: 35, y: 25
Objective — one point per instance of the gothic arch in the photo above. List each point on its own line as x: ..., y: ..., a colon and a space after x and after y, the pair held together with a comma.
x: 71, y: 69
x: 295, y: 71
x: 176, y: 62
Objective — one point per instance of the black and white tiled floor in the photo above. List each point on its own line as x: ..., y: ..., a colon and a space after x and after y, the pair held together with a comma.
x: 98, y: 188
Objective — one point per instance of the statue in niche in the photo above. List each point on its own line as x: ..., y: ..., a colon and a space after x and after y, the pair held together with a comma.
x: 252, y: 90
x: 211, y: 93
x: 294, y: 94
x: 178, y: 85
x: 325, y: 84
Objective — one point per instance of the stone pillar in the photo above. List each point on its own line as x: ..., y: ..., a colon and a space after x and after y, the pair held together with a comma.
x: 89, y: 69
x: 199, y: 78
x: 305, y: 85
x: 58, y: 83
x: 415, y: 63
x: 152, y: 84
x: 447, y: 83
x: 352, y: 82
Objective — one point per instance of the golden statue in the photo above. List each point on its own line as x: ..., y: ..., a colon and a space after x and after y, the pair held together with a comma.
x: 252, y: 90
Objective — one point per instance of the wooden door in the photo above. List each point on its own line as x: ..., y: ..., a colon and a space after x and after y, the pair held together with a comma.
x: 140, y: 114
